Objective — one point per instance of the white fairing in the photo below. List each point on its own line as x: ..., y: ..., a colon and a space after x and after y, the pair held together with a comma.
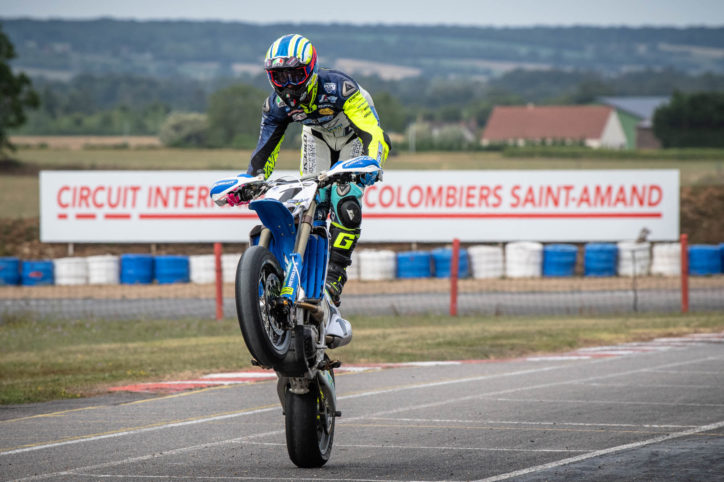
x: 358, y: 165
x: 296, y: 197
x: 223, y: 187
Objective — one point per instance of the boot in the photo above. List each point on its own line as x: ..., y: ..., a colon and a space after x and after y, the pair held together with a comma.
x: 340, y: 256
x: 339, y: 330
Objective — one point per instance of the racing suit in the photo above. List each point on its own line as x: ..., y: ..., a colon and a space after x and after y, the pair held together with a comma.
x: 339, y: 123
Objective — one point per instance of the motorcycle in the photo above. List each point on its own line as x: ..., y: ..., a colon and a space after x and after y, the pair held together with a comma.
x: 281, y: 304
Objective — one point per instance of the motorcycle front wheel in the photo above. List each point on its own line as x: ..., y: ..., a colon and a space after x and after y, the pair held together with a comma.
x: 259, y: 280
x: 309, y: 421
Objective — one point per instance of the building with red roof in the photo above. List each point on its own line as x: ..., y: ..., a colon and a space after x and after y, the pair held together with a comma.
x: 591, y: 125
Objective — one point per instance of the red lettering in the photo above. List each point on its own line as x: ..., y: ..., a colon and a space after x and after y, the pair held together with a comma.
x: 584, y: 198
x: 189, y: 197
x: 620, y: 196
x: 420, y: 196
x: 160, y: 197
x: 204, y: 199
x: 59, y: 200
x: 111, y: 202
x: 433, y: 198
x: 367, y: 194
x: 96, y: 203
x: 387, y: 203
x: 516, y: 197
x: 553, y: 196
x: 602, y: 198
x: 637, y: 196
x: 529, y: 197
x: 470, y: 197
x: 655, y: 195
x: 398, y: 196
x: 85, y: 193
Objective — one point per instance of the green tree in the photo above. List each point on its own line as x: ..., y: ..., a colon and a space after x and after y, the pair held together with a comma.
x: 184, y: 129
x: 234, y: 114
x: 691, y: 120
x: 16, y: 94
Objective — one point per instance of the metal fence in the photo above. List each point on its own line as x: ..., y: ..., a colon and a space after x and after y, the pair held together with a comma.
x: 500, y: 279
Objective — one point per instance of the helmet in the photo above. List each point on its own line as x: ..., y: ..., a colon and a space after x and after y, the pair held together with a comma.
x: 291, y: 65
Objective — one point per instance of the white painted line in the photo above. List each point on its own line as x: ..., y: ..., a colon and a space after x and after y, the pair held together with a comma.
x: 241, y: 375
x: 350, y: 396
x: 610, y: 450
x: 606, y: 402
x: 558, y: 358
x: 422, y: 447
x: 520, y: 422
x: 687, y: 372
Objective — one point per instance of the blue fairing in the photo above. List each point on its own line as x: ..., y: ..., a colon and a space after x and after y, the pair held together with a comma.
x: 280, y: 222
x: 361, y: 162
x: 275, y: 216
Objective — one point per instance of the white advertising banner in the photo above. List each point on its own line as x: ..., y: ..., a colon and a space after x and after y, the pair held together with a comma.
x: 409, y: 206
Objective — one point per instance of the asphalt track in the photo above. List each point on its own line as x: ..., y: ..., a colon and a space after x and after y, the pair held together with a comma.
x: 652, y: 411
x: 487, y: 303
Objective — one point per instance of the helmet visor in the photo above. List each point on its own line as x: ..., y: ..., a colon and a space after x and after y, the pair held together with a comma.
x: 284, y: 77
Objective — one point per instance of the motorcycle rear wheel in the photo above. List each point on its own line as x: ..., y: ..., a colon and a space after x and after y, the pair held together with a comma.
x: 309, y: 422
x: 259, y: 280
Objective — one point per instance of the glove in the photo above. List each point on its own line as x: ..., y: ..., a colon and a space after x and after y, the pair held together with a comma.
x: 368, y: 179
x: 234, y: 199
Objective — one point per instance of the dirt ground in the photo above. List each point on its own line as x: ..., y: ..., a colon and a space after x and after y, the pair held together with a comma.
x: 701, y: 215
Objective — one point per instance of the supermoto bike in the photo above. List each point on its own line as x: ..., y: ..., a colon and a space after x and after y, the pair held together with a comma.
x: 281, y: 304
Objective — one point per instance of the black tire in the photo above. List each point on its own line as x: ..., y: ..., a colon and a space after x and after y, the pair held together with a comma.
x: 259, y: 278
x: 309, y: 422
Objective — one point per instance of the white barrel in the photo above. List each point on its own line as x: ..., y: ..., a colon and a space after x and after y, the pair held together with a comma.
x: 229, y: 262
x: 666, y: 259
x: 70, y: 271
x: 523, y: 259
x: 353, y: 269
x: 103, y: 269
x: 634, y: 258
x: 486, y: 261
x: 202, y: 268
x: 377, y: 264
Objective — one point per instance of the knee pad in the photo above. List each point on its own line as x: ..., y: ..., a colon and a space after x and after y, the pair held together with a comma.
x: 346, y: 205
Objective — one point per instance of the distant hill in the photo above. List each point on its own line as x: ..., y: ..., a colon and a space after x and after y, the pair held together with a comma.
x: 60, y: 49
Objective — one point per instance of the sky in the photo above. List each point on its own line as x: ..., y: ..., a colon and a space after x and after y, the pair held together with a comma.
x: 499, y: 13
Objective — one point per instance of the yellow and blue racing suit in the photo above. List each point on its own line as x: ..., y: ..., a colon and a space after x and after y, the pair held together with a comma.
x: 338, y: 124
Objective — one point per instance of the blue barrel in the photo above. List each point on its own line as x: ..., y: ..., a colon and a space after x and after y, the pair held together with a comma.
x: 414, y: 264
x: 600, y: 259
x: 721, y: 257
x: 559, y: 259
x: 136, y: 269
x: 37, y: 273
x: 442, y: 260
x: 171, y: 269
x: 704, y: 259
x: 9, y: 271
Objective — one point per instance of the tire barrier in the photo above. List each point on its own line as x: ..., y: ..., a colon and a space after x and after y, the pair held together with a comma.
x: 9, y: 271
x: 523, y: 259
x: 414, y: 264
x: 104, y: 269
x: 377, y: 265
x: 559, y: 260
x: 171, y: 269
x: 486, y: 261
x: 37, y: 273
x: 136, y: 269
x: 666, y: 259
x: 600, y: 259
x: 634, y: 259
x: 442, y: 261
x: 704, y: 259
x: 70, y: 271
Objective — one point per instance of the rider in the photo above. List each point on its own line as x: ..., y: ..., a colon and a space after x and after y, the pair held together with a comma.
x: 339, y: 123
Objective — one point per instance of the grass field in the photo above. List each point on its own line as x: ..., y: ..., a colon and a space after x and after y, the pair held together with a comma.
x: 44, y: 360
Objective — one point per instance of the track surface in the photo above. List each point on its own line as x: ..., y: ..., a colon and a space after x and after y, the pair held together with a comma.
x: 649, y: 412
